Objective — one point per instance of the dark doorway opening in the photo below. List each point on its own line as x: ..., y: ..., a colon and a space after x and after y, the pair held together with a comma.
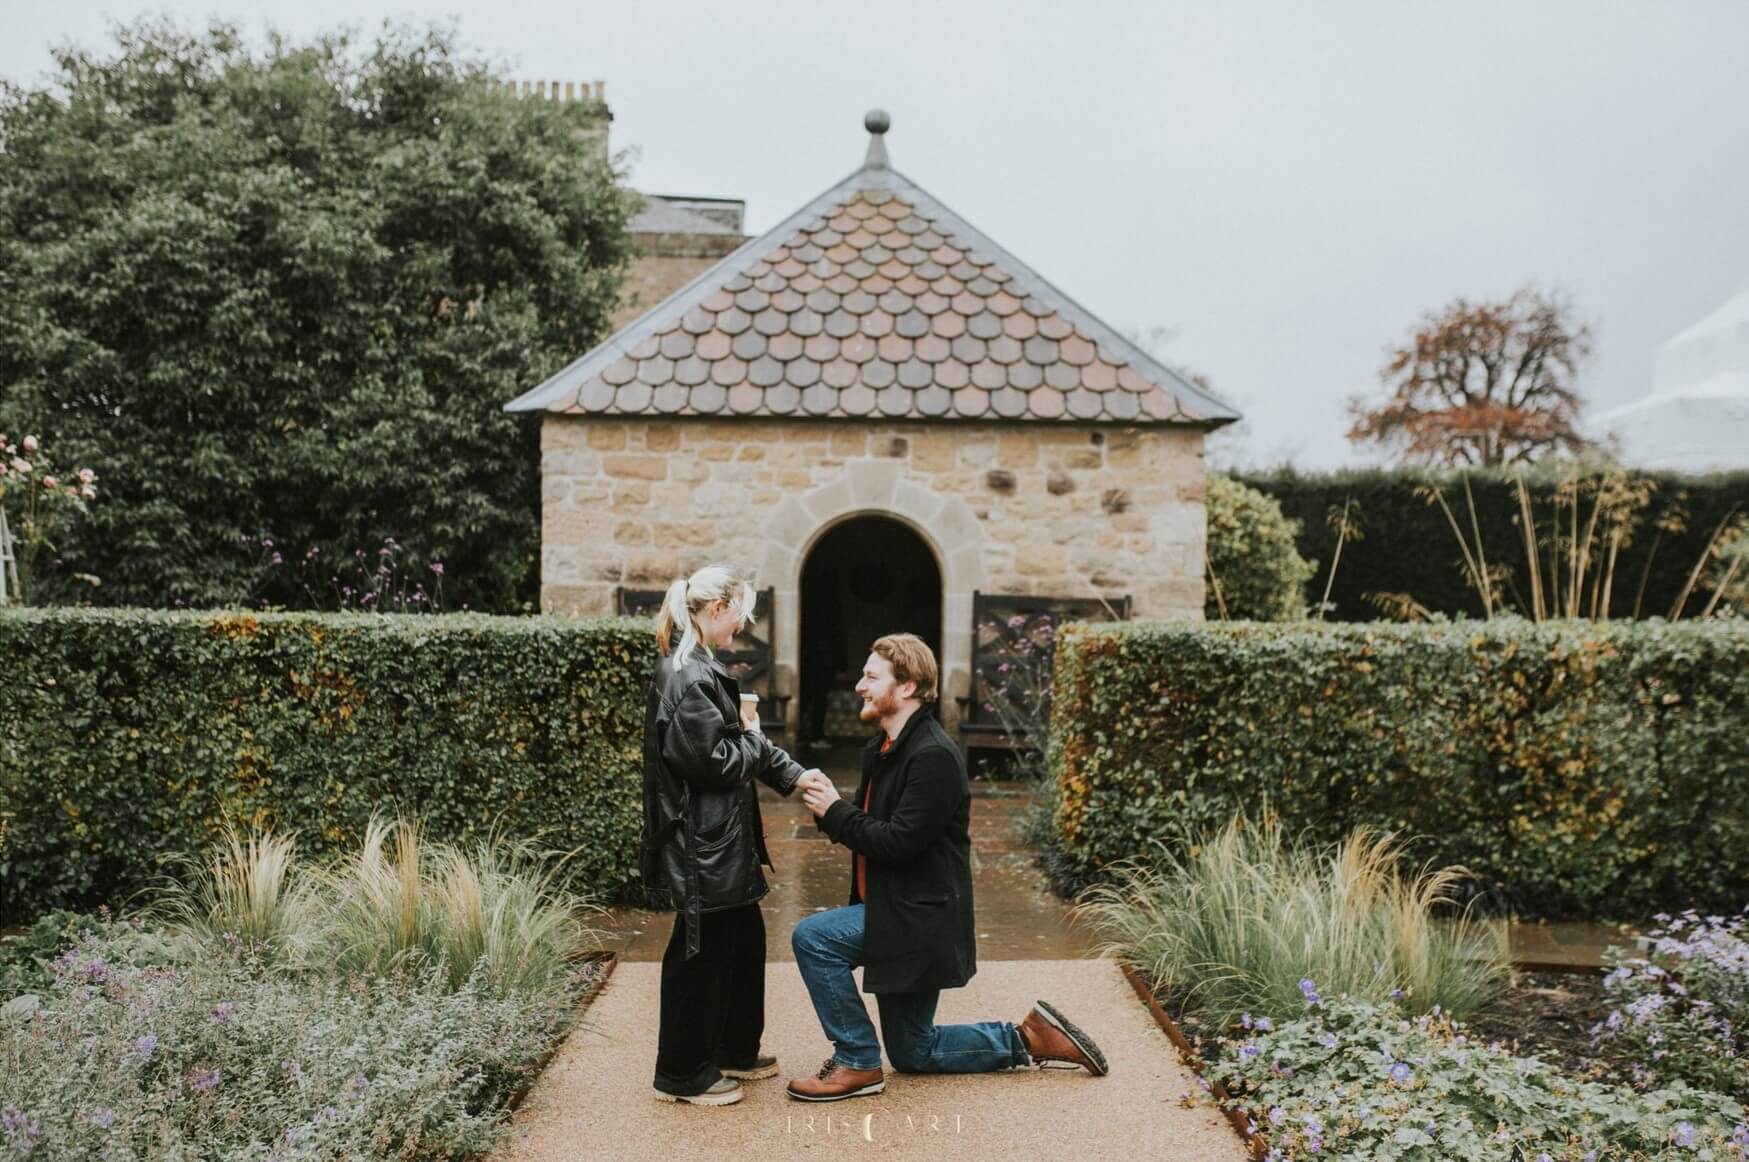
x: 867, y: 577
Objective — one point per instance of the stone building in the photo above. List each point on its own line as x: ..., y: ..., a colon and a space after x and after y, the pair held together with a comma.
x: 880, y: 412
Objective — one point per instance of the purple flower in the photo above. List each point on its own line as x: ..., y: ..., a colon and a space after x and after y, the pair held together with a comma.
x: 147, y: 1045
x: 1396, y: 994
x: 437, y: 567
x: 1328, y: 1041
x: 1401, y: 1073
x: 1245, y: 1020
x: 1277, y: 1116
x: 17, y: 1122
x: 102, y: 1118
x: 205, y: 1079
x: 1683, y: 1135
x: 222, y: 1012
x: 1247, y: 1052
x: 1265, y: 1025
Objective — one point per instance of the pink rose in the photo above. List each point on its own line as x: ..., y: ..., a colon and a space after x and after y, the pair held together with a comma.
x: 86, y: 476
x: 30, y: 443
x: 48, y: 482
x: 21, y: 466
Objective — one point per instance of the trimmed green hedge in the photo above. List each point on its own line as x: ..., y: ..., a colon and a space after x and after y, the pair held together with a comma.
x: 1577, y: 768
x: 1407, y: 546
x: 128, y: 735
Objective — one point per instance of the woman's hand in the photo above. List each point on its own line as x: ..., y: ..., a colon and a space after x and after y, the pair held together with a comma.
x: 817, y: 792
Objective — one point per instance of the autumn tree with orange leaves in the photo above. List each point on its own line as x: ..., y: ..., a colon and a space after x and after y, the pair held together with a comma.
x: 1483, y: 385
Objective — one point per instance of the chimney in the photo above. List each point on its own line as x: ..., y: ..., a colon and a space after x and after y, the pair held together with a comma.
x: 594, y: 134
x: 573, y: 91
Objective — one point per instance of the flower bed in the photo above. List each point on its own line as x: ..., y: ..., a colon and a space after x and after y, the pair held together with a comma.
x: 220, y: 1057
x: 393, y: 1004
x: 1356, y: 1079
x: 1683, y: 1011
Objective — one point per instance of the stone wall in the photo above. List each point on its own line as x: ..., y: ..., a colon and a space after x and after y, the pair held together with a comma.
x: 1032, y: 509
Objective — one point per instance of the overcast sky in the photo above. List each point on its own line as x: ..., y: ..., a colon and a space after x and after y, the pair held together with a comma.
x: 1281, y: 188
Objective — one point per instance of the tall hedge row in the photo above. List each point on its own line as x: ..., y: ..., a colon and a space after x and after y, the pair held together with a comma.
x: 127, y: 736
x: 1407, y: 545
x: 1577, y: 768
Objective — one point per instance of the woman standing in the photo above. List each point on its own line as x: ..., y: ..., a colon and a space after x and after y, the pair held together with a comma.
x: 703, y: 844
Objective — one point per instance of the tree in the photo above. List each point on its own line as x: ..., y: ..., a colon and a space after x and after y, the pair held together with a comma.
x: 1483, y: 384
x: 286, y: 292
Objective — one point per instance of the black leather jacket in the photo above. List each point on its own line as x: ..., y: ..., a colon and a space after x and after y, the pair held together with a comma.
x: 703, y: 842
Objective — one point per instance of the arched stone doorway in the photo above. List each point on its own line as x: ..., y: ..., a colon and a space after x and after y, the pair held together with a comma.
x: 868, y: 576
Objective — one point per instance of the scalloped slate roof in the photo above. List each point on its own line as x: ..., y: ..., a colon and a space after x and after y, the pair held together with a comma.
x: 874, y: 301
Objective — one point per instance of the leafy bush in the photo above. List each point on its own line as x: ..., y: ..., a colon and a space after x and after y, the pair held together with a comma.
x: 1574, y: 768
x: 1685, y: 1009
x: 1349, y: 1078
x: 1258, y: 574
x: 298, y: 282
x: 222, y: 1057
x: 127, y: 737
x: 1408, y: 547
x: 1242, y: 914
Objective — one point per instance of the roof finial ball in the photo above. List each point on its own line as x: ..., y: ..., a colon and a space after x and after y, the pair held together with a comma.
x: 877, y: 123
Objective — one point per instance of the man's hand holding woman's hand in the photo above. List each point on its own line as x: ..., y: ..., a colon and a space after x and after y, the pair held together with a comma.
x: 817, y: 791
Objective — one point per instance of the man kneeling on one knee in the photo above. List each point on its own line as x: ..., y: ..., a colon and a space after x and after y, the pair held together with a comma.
x: 909, y: 922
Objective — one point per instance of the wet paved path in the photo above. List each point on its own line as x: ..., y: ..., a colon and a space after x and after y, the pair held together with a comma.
x: 594, y: 1100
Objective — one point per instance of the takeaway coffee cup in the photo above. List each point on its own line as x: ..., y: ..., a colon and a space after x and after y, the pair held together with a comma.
x: 750, y: 709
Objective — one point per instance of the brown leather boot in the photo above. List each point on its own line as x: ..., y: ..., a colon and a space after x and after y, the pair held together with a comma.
x: 836, y: 1082
x: 1050, y: 1036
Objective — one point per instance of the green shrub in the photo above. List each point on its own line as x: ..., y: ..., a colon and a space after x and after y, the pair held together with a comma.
x: 1574, y: 768
x: 1408, y: 546
x: 1258, y: 574
x: 1353, y: 1079
x: 1235, y: 921
x: 127, y: 737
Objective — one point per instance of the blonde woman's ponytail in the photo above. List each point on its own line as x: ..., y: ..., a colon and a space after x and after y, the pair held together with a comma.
x: 673, y: 613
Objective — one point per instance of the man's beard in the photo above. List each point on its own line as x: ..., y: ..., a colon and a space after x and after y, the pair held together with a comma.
x: 879, y: 708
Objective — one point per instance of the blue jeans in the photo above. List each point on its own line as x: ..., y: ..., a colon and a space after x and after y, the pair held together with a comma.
x: 827, y: 946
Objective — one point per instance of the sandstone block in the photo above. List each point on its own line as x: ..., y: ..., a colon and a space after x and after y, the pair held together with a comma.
x: 635, y: 467
x: 606, y: 437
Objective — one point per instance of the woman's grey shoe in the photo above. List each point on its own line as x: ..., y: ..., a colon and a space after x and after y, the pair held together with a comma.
x: 726, y: 1092
x: 756, y: 1070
